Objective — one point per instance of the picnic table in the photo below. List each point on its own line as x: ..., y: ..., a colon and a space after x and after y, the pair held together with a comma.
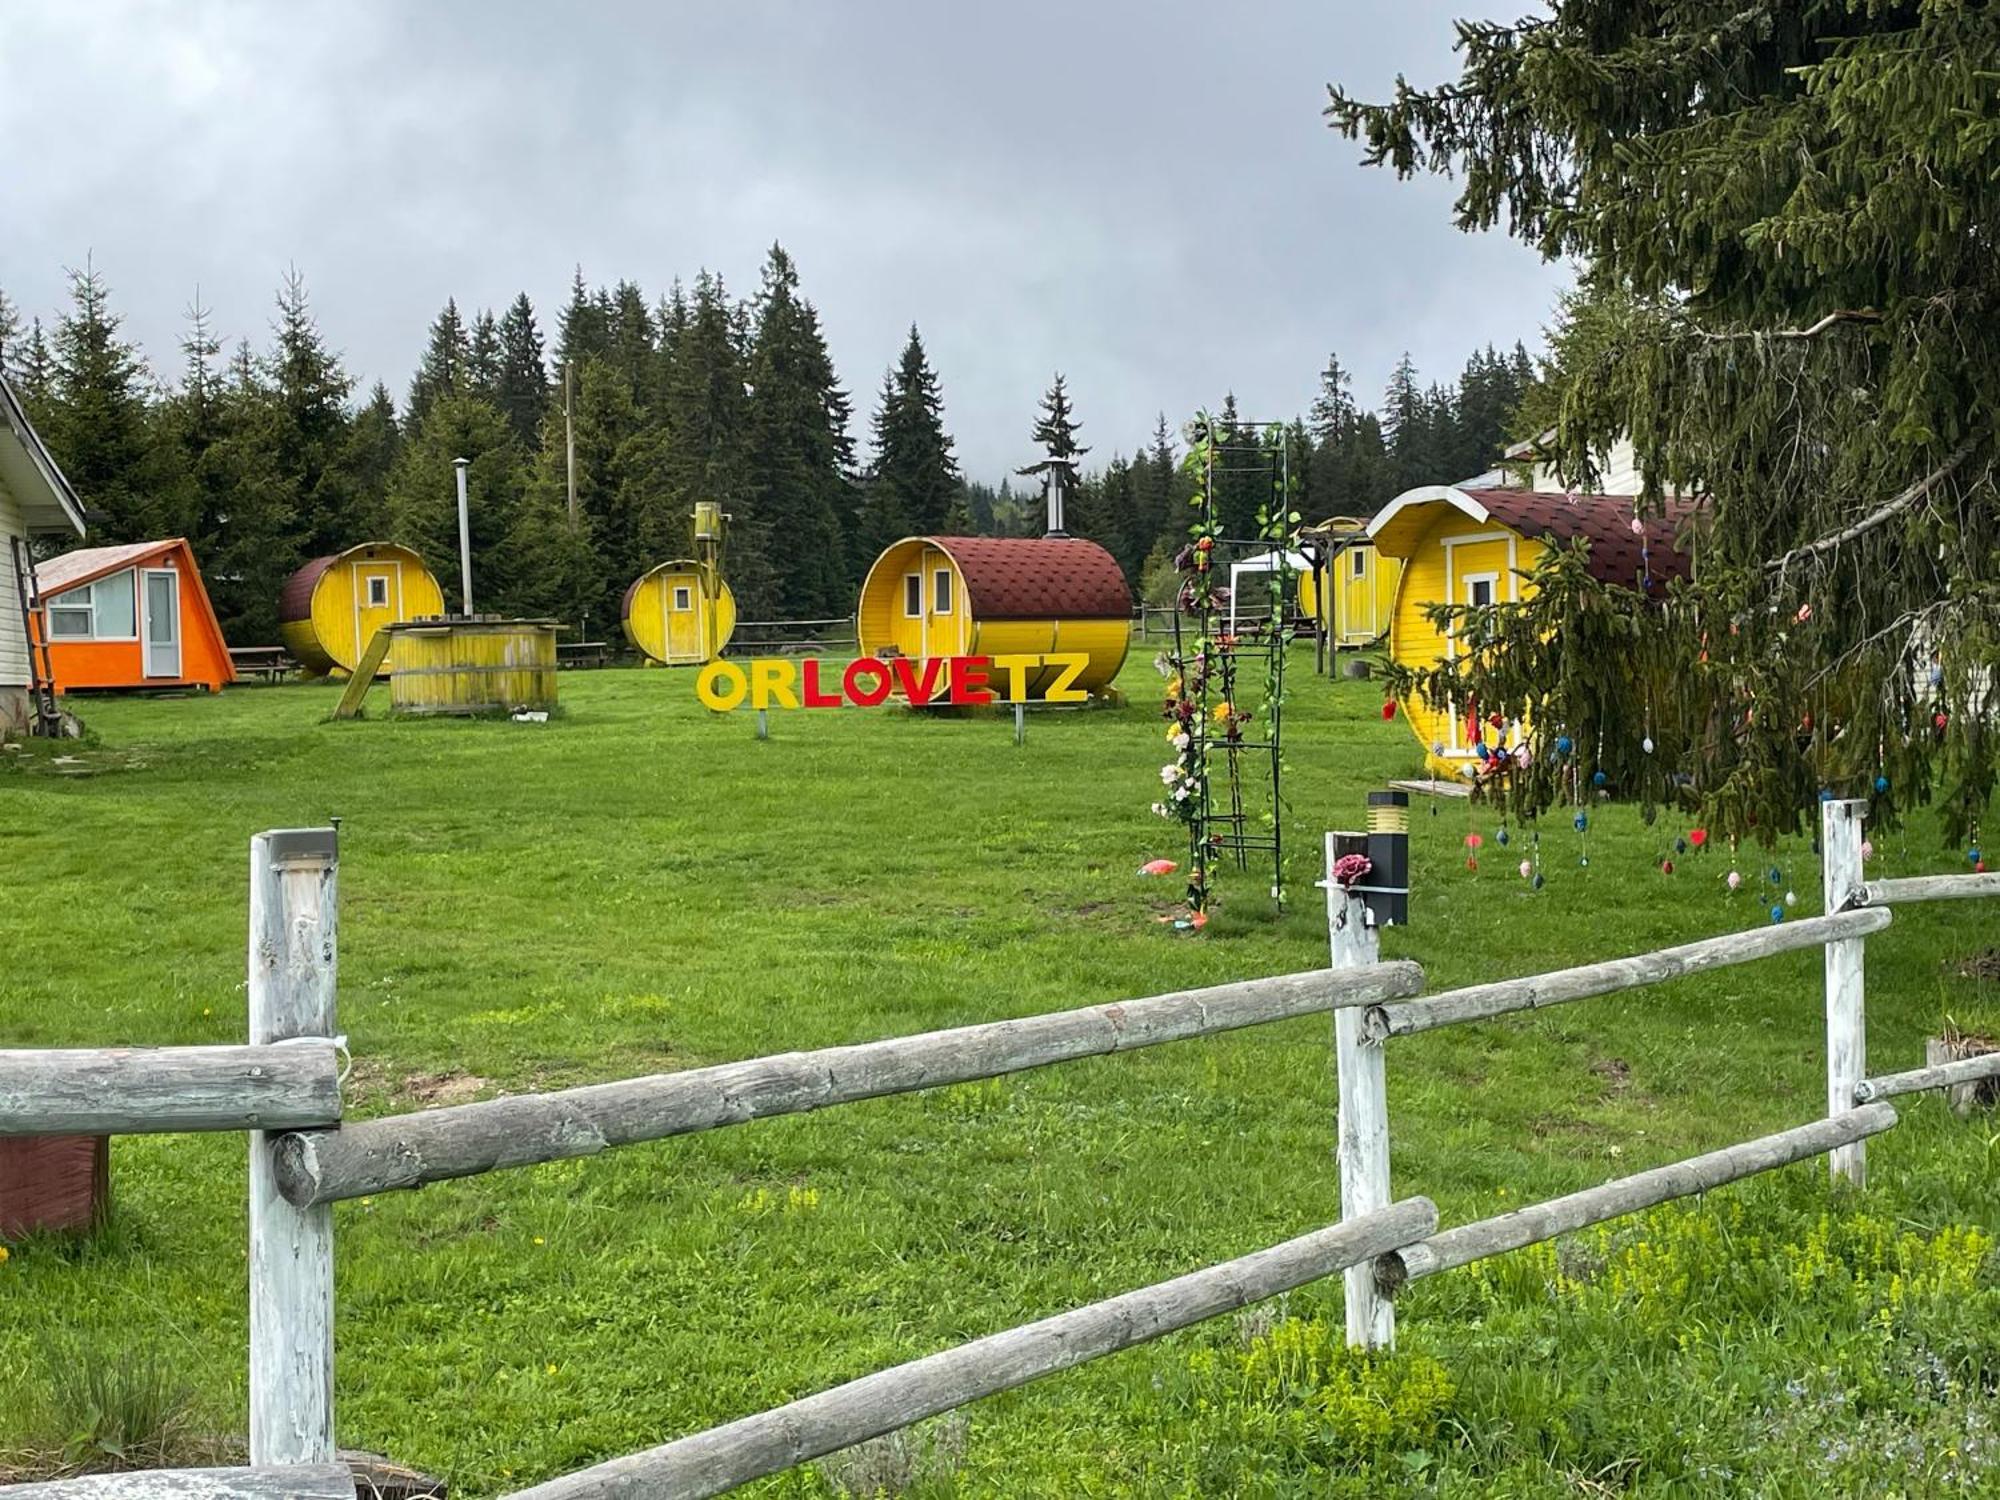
x: 266, y: 663
x: 582, y: 653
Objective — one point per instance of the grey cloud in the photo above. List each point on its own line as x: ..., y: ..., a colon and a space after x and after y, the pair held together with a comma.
x: 1144, y: 196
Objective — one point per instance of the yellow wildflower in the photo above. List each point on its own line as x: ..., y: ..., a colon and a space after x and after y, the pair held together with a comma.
x: 540, y: 1241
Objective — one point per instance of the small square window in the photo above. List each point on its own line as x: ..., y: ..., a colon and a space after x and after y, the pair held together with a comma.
x: 378, y: 591
x: 683, y: 598
x: 941, y: 592
x: 913, y: 595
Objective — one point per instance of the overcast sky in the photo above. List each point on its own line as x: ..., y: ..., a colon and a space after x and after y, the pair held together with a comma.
x: 1144, y: 196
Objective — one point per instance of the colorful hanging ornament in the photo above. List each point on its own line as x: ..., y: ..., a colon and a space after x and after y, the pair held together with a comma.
x: 1698, y: 837
x: 1735, y: 879
x: 1500, y: 836
x: 1582, y: 821
x: 1389, y: 709
x: 1647, y: 744
x: 1867, y: 848
x: 1791, y: 898
x: 1777, y: 914
x: 1666, y: 867
x: 1527, y: 869
x: 1598, y: 778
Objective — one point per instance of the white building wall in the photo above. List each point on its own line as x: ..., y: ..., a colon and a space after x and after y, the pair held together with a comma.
x: 1617, y: 472
x: 13, y: 632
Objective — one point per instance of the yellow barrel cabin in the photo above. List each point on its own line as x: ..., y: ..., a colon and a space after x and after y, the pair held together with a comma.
x: 676, y: 616
x: 465, y: 667
x: 999, y: 596
x: 331, y: 608
x: 1476, y: 548
x: 1352, y: 593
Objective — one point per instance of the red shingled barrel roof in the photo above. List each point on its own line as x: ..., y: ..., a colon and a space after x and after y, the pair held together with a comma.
x: 296, y: 601
x: 1605, y: 521
x: 1038, y: 578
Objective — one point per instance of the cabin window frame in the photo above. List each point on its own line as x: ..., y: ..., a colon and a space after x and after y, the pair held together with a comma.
x: 913, y: 596
x: 1358, y: 568
x: 371, y: 580
x: 1481, y: 626
x: 942, y: 600
x: 54, y: 608
x: 683, y: 599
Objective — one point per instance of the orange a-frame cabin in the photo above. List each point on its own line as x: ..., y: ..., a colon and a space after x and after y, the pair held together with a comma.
x: 134, y: 616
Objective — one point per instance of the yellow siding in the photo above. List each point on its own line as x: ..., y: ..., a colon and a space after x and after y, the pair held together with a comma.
x: 1438, y: 573
x: 1359, y: 608
x: 678, y: 637
x: 467, y: 668
x: 343, y: 621
x: 1104, y: 641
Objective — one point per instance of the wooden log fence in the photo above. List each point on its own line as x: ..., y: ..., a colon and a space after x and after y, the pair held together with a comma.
x: 722, y: 1458
x: 1938, y: 1076
x: 155, y: 1090
x: 406, y: 1151
x: 283, y: 1089
x: 274, y: 1482
x: 1535, y: 1222
x: 1931, y: 888
x: 1483, y: 1002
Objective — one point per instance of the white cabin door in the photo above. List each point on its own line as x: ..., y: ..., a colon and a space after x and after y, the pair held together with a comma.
x: 162, y: 635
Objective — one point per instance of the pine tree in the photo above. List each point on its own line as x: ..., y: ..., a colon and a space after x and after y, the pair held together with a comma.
x: 311, y: 389
x: 245, y: 539
x: 1789, y: 307
x: 482, y: 360
x: 633, y: 347
x: 34, y: 375
x: 1407, y: 430
x: 444, y: 367
x: 914, y: 480
x: 10, y: 333
x: 1056, y: 426
x: 423, y: 493
x: 374, y: 443
x: 584, y: 330
x: 795, y: 449
x: 521, y: 390
x: 96, y: 419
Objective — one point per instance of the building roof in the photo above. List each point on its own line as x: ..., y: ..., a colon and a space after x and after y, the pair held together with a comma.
x: 1618, y: 553
x: 86, y: 563
x: 1038, y: 578
x: 674, y: 565
x: 29, y: 471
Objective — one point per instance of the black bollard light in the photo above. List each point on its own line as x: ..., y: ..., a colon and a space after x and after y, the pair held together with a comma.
x: 1386, y: 887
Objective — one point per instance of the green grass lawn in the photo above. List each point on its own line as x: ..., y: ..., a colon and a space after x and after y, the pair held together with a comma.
x: 640, y: 886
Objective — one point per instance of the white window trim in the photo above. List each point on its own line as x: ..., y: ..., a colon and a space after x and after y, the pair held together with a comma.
x: 372, y: 579
x: 683, y: 599
x: 942, y: 600
x: 51, y: 604
x: 913, y: 595
x: 1358, y: 568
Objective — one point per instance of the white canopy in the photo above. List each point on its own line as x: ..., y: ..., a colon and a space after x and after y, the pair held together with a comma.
x: 1262, y: 562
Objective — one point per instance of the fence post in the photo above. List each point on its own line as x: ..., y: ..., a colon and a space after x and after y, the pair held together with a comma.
x: 1841, y: 882
x: 293, y: 930
x: 1364, y: 1100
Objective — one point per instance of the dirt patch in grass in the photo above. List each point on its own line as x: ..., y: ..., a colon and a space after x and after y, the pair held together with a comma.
x: 1982, y: 966
x: 1616, y: 1073
x: 442, y: 1088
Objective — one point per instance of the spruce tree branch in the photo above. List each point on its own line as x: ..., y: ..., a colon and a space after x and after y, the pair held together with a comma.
x: 1838, y: 315
x: 1875, y: 518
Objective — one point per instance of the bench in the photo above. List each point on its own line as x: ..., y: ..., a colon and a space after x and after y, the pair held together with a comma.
x: 583, y: 653
x: 265, y: 663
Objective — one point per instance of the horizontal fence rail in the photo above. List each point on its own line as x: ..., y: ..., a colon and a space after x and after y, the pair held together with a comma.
x: 274, y: 1482
x: 139, y: 1090
x: 1481, y: 1002
x: 711, y: 1462
x: 1536, y: 1222
x: 1931, y: 888
x: 1937, y: 1076
x: 406, y: 1151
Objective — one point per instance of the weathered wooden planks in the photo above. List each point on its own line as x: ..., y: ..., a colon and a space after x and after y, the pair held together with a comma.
x: 1932, y: 888
x: 292, y: 962
x: 1841, y: 884
x: 1536, y: 1222
x: 1480, y: 1002
x: 406, y: 1151
x: 137, y: 1091
x: 1937, y: 1076
x: 1363, y: 1125
x: 288, y: 1482
x: 708, y: 1463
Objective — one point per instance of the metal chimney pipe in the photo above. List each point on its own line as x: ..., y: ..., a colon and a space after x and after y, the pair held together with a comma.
x: 464, y: 538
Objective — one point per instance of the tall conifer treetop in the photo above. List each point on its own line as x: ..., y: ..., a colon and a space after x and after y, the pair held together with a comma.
x: 1056, y: 427
x: 1786, y: 210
